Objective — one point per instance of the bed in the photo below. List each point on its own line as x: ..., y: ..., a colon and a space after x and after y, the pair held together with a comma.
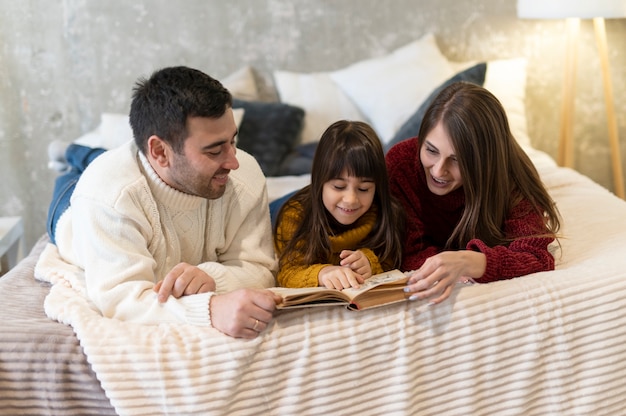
x: 547, y: 343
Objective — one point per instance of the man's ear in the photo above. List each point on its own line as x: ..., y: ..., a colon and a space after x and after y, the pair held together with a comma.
x: 159, y: 151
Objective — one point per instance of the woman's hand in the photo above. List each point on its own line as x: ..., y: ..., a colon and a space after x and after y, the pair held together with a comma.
x: 439, y: 273
x: 339, y: 277
x: 357, y: 261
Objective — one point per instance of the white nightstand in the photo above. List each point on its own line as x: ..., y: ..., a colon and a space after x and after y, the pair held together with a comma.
x: 11, y: 242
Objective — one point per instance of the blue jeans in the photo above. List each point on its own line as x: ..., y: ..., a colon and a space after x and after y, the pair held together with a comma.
x: 78, y: 158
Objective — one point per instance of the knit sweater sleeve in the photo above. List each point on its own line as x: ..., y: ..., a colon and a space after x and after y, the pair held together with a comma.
x: 524, y: 255
x: 375, y: 263
x: 295, y: 273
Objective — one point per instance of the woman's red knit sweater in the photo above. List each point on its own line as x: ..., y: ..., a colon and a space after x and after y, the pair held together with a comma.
x: 432, y: 218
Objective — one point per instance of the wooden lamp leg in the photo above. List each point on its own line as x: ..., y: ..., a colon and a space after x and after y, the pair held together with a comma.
x: 565, y: 155
x: 618, y: 175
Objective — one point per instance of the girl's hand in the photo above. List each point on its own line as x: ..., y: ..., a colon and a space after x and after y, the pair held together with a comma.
x: 357, y: 261
x: 338, y: 277
x: 439, y: 273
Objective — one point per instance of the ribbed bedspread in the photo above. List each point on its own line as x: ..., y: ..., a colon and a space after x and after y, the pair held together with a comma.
x: 551, y: 343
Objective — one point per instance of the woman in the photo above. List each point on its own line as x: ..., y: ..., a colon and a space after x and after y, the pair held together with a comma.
x: 476, y: 207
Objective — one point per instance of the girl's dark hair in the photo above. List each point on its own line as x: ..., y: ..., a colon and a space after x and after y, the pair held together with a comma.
x: 161, y: 104
x: 353, y: 148
x: 497, y: 173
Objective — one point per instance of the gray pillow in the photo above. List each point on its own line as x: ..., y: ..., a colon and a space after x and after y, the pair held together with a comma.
x: 269, y: 131
x: 411, y: 128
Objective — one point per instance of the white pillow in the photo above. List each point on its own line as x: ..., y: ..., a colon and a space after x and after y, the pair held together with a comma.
x: 389, y: 89
x: 238, y: 114
x: 321, y: 99
x: 242, y: 84
x: 506, y: 79
x: 114, y: 130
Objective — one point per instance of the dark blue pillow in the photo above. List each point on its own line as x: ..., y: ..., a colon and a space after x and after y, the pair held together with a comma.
x: 475, y: 75
x: 299, y: 161
x: 269, y: 131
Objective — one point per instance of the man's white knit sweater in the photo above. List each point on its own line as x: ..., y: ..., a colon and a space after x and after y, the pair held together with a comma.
x: 127, y: 229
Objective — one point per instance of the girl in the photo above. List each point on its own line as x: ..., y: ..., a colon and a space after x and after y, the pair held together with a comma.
x: 476, y: 207
x: 345, y: 226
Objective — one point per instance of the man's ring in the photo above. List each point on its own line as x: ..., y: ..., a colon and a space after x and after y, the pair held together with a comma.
x: 256, y: 322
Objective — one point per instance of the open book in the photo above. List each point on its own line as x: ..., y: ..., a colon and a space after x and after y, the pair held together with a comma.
x: 380, y: 289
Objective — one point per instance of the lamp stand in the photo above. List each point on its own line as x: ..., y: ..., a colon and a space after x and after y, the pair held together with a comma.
x: 618, y: 175
x: 565, y: 155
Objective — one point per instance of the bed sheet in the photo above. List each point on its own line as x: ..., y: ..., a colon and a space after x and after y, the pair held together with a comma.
x: 42, y: 366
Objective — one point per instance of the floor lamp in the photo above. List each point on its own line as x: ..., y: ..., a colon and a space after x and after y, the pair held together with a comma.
x: 573, y: 11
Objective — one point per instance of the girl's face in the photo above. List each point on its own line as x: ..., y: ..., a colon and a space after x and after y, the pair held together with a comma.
x: 347, y: 197
x: 440, y: 162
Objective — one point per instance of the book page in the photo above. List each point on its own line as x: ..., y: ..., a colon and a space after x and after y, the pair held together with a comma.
x: 309, y: 296
x: 369, y: 292
x: 375, y: 281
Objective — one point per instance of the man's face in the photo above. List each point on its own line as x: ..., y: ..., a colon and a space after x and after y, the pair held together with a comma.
x: 208, y: 157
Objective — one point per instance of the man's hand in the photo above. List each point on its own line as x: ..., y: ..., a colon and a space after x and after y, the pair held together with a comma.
x: 184, y: 279
x: 243, y: 313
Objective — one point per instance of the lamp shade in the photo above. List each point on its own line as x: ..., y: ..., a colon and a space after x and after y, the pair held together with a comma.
x: 561, y: 9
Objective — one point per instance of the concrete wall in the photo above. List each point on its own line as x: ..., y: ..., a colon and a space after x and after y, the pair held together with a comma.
x: 63, y: 62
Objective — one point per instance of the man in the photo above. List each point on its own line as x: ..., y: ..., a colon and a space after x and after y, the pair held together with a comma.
x: 175, y: 226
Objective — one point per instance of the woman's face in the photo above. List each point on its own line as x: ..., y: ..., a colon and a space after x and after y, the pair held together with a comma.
x: 440, y: 162
x: 347, y: 198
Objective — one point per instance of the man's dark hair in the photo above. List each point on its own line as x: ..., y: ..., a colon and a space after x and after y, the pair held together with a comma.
x: 161, y: 104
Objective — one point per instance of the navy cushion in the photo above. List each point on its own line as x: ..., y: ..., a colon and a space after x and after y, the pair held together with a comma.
x: 269, y: 131
x: 299, y: 161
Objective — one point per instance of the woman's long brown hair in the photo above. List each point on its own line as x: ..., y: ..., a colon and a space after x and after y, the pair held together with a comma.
x: 497, y: 173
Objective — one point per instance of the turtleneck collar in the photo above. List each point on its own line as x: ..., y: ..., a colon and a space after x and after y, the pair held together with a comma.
x: 165, y: 193
x: 351, y: 236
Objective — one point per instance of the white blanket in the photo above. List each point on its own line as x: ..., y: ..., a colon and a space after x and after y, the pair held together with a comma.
x: 547, y: 343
